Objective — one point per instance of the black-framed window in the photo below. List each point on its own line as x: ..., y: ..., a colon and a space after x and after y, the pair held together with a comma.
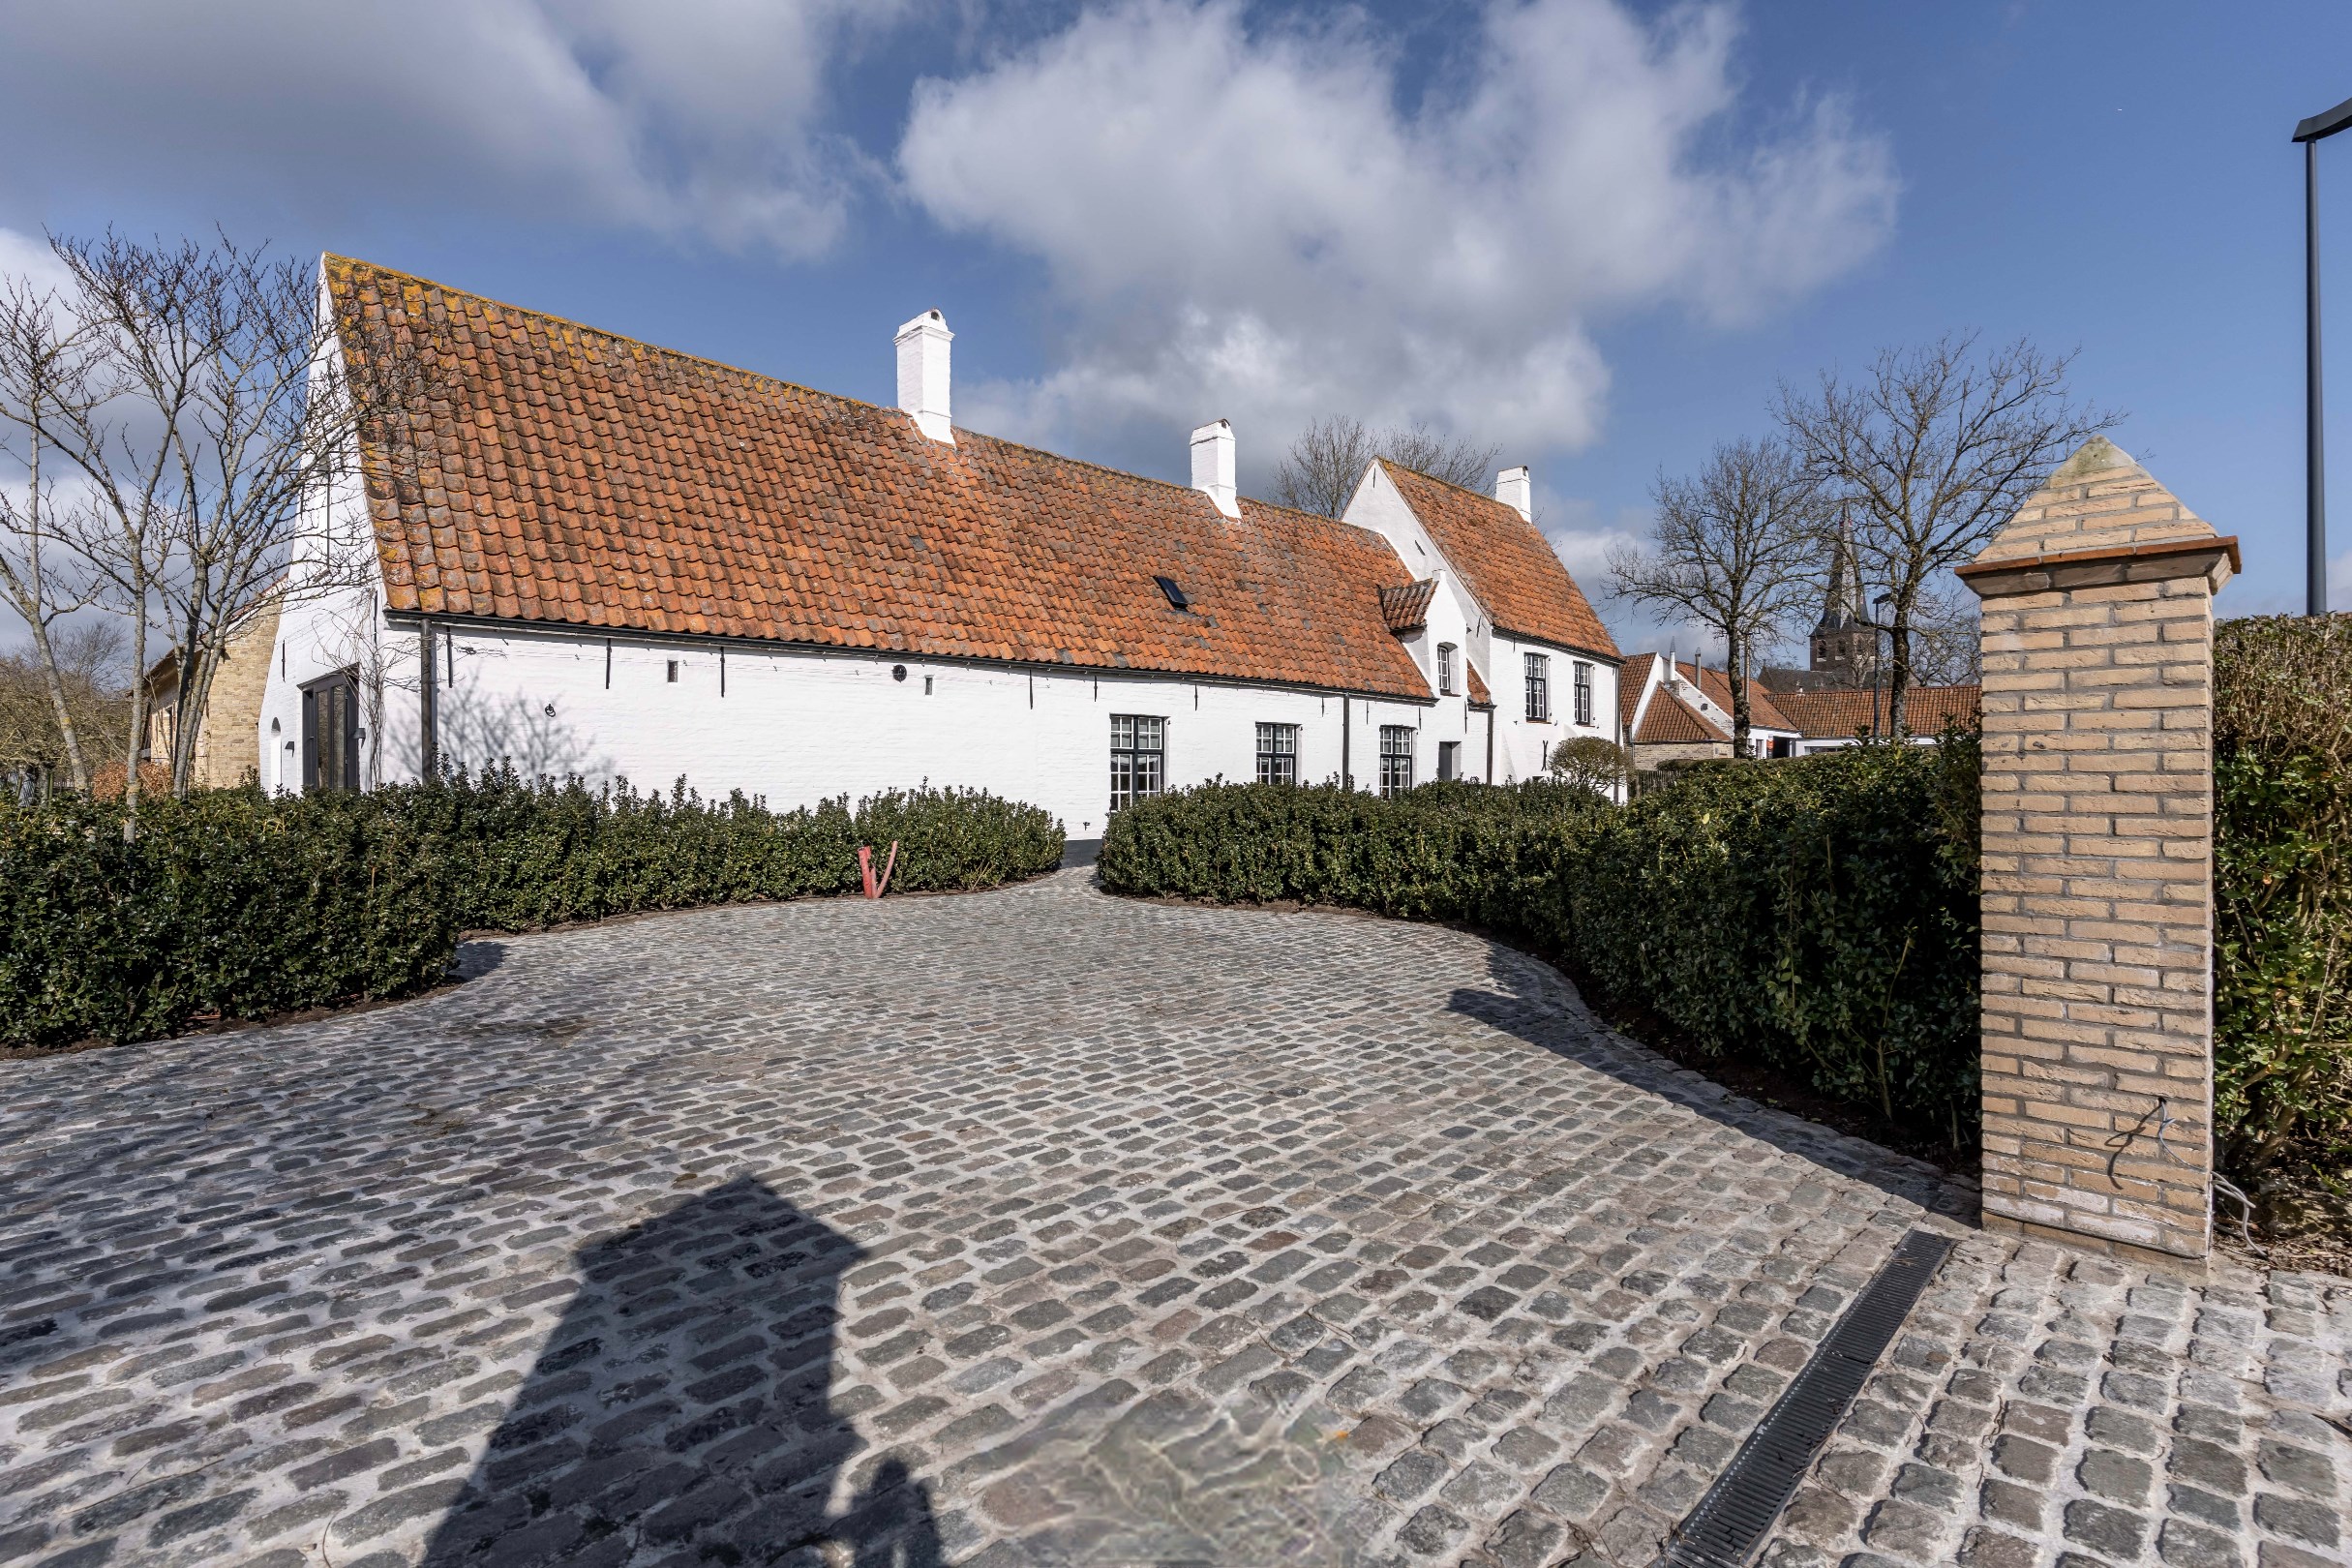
x: 1582, y: 677
x: 330, y: 732
x: 1138, y: 757
x: 1446, y: 656
x: 1396, y: 758
x: 1278, y: 754
x: 1539, y: 688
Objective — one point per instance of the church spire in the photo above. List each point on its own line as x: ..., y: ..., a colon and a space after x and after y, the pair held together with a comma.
x: 1842, y: 608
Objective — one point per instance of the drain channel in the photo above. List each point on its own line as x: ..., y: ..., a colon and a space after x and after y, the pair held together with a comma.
x: 1740, y: 1510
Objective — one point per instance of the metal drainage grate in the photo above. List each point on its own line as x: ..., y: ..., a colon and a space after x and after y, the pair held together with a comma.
x: 1740, y: 1510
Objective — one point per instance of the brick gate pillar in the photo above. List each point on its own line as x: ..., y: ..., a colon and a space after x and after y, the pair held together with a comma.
x: 2097, y: 881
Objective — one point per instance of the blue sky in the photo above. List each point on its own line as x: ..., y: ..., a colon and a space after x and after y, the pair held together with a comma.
x: 1598, y: 233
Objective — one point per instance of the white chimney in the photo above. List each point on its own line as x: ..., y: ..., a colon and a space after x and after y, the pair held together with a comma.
x: 1213, y: 465
x: 922, y: 374
x: 1516, y: 489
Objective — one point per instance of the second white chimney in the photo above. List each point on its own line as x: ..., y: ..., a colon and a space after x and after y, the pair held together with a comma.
x: 922, y: 374
x: 1515, y: 488
x: 1213, y: 465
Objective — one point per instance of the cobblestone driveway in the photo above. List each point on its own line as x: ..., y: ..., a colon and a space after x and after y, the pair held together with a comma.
x: 1042, y: 1227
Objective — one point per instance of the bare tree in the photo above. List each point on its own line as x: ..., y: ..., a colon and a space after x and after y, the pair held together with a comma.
x: 1933, y: 449
x: 38, y: 361
x: 83, y: 664
x: 1732, y: 549
x: 203, y: 397
x: 1320, y: 470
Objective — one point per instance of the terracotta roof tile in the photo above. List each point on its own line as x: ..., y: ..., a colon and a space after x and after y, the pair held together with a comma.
x: 1504, y: 562
x: 567, y: 475
x: 1479, y: 696
x: 1631, y: 680
x: 1407, y: 608
x: 1839, y: 715
x: 1669, y: 720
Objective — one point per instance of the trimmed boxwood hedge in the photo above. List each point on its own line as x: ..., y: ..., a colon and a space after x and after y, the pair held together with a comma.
x: 2282, y: 886
x: 1818, y: 914
x: 234, y: 904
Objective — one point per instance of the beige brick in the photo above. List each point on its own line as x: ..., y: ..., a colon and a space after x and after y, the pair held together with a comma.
x: 2095, y: 901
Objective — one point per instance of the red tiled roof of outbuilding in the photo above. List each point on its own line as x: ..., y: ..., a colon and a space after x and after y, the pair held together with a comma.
x: 567, y: 476
x: 1839, y: 715
x: 1504, y: 562
x: 1669, y: 720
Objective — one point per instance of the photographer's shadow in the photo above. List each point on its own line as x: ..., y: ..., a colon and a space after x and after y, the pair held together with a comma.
x: 680, y: 1412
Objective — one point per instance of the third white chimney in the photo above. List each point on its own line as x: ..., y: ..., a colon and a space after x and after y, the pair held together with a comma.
x: 1515, y: 488
x: 1213, y: 465
x: 922, y: 374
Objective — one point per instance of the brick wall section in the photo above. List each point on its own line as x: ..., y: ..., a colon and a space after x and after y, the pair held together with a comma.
x: 2097, y: 881
x: 229, y: 747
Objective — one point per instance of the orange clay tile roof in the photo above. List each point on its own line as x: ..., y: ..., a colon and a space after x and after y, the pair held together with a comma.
x: 1504, y: 562
x: 1838, y: 715
x: 1631, y: 680
x: 569, y: 476
x: 1479, y: 697
x: 1669, y: 720
x: 1407, y: 608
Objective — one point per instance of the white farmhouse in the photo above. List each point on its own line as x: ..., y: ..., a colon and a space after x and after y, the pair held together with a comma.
x: 585, y: 554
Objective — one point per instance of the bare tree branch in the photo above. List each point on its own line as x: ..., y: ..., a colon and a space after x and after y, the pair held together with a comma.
x: 1933, y: 449
x: 1321, y: 471
x: 1730, y: 549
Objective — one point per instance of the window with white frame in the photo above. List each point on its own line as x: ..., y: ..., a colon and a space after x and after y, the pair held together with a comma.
x: 1138, y: 757
x: 1539, y: 688
x: 1278, y: 754
x: 1396, y: 758
x: 1446, y: 655
x: 1583, y: 673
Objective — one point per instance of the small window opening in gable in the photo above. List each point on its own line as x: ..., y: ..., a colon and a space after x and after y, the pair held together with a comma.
x: 673, y: 672
x: 1177, y: 597
x: 1445, y: 669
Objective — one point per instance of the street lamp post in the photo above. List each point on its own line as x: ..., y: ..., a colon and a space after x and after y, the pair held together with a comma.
x: 2311, y: 133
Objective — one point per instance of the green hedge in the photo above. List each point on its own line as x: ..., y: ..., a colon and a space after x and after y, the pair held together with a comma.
x: 225, y: 905
x: 236, y: 905
x: 2282, y: 885
x: 1818, y: 914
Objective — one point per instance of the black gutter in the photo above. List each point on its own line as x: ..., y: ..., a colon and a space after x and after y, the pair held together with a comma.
x: 451, y: 624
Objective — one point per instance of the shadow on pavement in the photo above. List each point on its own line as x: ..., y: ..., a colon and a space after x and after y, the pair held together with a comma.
x: 680, y: 1412
x: 1529, y: 1003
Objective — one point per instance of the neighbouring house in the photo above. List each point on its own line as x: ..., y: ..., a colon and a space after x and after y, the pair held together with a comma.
x: 1675, y: 711
x: 228, y: 743
x: 585, y: 554
x: 1828, y: 719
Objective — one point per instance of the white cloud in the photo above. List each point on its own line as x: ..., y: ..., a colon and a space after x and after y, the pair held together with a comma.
x: 701, y: 117
x: 1247, y: 219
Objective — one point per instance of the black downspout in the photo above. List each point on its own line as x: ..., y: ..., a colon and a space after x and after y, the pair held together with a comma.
x: 428, y: 715
x: 1347, y: 715
x: 1490, y: 744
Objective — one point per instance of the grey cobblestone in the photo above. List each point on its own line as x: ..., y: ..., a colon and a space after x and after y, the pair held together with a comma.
x: 1037, y: 1227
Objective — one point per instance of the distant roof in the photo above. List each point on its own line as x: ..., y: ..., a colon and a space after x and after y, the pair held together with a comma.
x: 1669, y: 720
x: 573, y: 477
x: 1505, y: 564
x: 1763, y: 714
x: 1840, y: 715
